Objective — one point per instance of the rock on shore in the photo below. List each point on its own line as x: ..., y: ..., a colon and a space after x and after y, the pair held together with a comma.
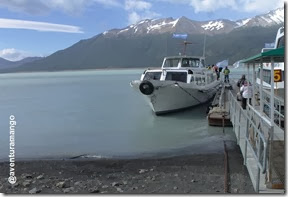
x: 183, y: 174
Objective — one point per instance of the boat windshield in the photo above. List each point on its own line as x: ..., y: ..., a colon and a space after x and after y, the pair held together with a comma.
x: 152, y: 75
x: 176, y: 76
x: 171, y: 63
x: 281, y: 42
x: 184, y: 62
x: 191, y: 62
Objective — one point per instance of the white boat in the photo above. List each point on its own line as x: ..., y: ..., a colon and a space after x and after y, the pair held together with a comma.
x: 279, y: 86
x: 182, y: 82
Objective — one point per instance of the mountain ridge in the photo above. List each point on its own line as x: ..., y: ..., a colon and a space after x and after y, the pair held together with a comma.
x: 4, y: 63
x: 132, y: 46
x: 210, y: 27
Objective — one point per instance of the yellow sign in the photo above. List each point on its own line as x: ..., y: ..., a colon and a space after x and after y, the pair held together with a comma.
x: 277, y: 75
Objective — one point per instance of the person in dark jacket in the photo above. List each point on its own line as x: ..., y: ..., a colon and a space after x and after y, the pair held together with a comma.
x: 241, y: 81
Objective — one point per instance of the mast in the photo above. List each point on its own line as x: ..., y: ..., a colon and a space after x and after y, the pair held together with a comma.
x: 204, y: 48
x: 185, y: 45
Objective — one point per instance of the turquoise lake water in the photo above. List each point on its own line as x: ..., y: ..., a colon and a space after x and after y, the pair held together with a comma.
x: 96, y: 112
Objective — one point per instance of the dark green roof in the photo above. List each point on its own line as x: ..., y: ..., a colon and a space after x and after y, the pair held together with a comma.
x: 277, y: 54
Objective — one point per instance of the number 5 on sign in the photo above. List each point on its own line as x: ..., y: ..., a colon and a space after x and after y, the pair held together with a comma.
x: 277, y: 75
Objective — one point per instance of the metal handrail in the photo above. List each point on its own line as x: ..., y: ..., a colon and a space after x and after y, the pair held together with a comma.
x: 233, y: 103
x: 203, y: 78
x: 279, y: 115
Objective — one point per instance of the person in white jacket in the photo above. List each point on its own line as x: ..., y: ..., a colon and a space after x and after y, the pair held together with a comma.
x: 247, y: 92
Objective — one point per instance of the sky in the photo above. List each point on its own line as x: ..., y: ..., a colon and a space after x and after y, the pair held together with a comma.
x: 42, y: 27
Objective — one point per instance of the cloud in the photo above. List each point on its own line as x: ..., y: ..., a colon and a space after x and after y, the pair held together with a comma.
x: 137, y: 5
x: 14, y: 54
x: 175, y: 1
x: 134, y: 17
x: 42, y: 7
x: 249, y: 6
x: 108, y: 3
x: 253, y: 5
x: 139, y: 10
x: 212, y: 5
x: 38, y: 26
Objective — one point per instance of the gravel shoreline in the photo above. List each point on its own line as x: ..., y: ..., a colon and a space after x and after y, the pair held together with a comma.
x: 201, y: 173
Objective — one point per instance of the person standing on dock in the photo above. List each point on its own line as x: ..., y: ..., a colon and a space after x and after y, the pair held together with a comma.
x: 226, y: 72
x: 216, y: 70
x: 241, y: 81
x: 220, y: 69
x: 246, y: 90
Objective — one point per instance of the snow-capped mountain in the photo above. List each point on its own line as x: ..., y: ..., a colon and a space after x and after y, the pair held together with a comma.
x: 274, y: 17
x: 146, y: 43
x: 185, y: 25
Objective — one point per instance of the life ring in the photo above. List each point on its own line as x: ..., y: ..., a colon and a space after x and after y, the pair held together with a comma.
x: 146, y: 87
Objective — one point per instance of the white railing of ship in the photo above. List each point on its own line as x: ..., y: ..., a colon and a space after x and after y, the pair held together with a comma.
x: 256, y: 140
x: 203, y: 79
x: 278, y: 107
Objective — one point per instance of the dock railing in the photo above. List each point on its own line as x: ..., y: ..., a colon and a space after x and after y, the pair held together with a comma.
x: 203, y: 79
x: 278, y: 107
x: 252, y: 138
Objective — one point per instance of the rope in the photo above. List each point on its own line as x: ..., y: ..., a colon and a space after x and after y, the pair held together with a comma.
x: 187, y: 92
x: 181, y: 89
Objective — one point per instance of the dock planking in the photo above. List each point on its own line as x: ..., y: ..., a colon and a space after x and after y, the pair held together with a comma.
x: 219, y: 114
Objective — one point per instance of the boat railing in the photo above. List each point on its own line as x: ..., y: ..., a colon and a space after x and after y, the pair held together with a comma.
x: 279, y: 115
x: 252, y: 138
x: 203, y: 79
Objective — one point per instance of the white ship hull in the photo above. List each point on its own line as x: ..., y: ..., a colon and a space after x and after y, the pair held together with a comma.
x: 169, y: 96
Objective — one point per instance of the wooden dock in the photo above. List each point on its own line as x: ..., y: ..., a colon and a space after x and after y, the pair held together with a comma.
x: 219, y: 114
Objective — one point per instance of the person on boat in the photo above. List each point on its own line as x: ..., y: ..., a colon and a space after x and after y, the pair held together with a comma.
x: 247, y: 93
x: 185, y: 63
x: 226, y: 72
x: 241, y: 81
x: 220, y: 69
x: 216, y: 70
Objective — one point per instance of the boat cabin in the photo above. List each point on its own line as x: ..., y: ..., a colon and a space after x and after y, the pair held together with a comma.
x: 186, y: 69
x: 278, y: 66
x: 178, y: 62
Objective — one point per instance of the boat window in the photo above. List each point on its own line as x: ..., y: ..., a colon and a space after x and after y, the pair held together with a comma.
x: 185, y: 63
x: 152, y: 76
x: 192, y: 79
x: 171, y: 62
x: 281, y: 42
x: 202, y: 63
x: 176, y: 76
x: 190, y: 62
x: 267, y: 76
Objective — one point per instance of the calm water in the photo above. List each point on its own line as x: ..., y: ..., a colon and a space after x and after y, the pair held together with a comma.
x: 64, y: 114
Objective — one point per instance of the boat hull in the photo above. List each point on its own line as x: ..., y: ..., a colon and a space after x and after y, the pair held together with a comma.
x: 171, y: 96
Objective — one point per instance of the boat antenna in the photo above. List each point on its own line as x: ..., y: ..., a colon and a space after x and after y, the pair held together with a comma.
x: 204, y: 48
x: 185, y: 45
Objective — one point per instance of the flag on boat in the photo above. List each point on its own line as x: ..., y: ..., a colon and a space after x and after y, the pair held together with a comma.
x: 222, y: 64
x: 181, y: 36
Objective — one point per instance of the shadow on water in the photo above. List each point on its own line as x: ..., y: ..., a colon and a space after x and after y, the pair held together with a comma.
x: 195, y: 112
